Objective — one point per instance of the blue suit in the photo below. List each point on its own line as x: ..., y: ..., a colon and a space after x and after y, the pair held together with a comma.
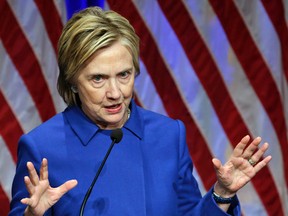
x: 148, y: 173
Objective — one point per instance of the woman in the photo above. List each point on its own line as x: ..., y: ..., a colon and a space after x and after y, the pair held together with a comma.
x: 149, y: 172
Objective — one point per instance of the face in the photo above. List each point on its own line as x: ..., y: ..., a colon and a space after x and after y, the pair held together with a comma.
x: 105, y: 86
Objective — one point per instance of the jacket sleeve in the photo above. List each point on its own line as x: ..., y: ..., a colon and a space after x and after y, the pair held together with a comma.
x: 27, y: 151
x: 190, y: 200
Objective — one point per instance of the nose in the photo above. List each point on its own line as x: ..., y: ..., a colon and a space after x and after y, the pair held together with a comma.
x: 113, y: 90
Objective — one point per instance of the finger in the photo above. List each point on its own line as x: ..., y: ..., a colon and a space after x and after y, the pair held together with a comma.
x: 29, y: 185
x: 25, y: 201
x: 262, y: 163
x: 34, y: 178
x: 44, y: 169
x: 257, y: 156
x: 251, y: 148
x: 28, y: 201
x: 238, y: 151
x: 68, y: 185
x: 217, y: 163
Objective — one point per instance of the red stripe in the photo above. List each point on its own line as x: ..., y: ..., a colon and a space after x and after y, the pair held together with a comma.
x: 4, y: 202
x: 211, y: 80
x: 10, y: 129
x: 256, y: 70
x: 25, y: 61
x: 51, y: 19
x: 168, y: 91
x: 275, y: 10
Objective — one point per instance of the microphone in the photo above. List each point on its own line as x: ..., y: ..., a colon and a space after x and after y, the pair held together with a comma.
x: 116, y: 136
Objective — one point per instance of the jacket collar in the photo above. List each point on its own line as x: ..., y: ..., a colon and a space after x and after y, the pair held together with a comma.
x: 85, y: 129
x: 135, y: 122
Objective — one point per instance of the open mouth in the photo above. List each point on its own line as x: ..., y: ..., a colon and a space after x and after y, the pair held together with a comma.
x: 114, y: 108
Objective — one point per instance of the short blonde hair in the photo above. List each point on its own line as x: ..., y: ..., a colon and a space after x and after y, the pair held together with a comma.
x: 85, y: 33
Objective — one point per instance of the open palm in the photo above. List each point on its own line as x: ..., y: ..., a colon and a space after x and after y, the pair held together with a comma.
x: 238, y: 171
x: 42, y: 195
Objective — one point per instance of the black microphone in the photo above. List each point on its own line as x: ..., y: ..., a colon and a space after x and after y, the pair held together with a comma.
x: 116, y: 136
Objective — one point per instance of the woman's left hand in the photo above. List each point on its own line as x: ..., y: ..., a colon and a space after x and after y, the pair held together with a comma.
x: 241, y: 167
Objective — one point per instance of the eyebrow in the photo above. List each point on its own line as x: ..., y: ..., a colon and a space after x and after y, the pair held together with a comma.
x: 128, y: 69
x: 95, y: 73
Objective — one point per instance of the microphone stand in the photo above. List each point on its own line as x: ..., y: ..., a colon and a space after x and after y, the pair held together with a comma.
x: 95, y: 178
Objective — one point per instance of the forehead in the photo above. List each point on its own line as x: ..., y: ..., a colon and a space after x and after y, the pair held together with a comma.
x: 116, y: 57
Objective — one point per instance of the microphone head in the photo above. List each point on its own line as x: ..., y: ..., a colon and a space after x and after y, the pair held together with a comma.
x: 116, y: 135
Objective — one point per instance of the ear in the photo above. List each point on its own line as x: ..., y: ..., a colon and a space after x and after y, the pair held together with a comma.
x: 74, y: 89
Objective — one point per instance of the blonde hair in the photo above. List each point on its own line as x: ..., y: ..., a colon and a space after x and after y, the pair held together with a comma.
x: 85, y: 33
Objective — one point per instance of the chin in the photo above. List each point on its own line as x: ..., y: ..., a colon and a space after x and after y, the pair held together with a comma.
x: 114, y: 124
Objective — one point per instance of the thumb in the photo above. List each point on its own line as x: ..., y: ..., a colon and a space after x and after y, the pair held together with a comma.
x: 68, y: 185
x: 217, y: 163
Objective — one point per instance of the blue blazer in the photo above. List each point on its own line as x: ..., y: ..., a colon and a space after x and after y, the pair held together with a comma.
x: 148, y: 173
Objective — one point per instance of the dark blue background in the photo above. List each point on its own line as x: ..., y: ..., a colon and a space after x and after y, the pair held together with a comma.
x: 76, y: 5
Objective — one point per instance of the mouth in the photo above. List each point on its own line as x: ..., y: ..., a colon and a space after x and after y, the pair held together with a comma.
x: 113, y: 108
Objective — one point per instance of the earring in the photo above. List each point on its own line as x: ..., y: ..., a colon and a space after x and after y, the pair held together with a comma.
x: 74, y: 89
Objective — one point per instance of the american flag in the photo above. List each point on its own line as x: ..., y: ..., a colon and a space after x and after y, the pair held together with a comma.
x: 219, y: 66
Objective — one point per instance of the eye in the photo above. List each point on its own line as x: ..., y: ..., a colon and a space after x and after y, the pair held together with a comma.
x: 124, y: 74
x: 97, y: 78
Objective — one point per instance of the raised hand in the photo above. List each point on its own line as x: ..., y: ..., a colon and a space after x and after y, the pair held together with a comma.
x: 241, y: 167
x: 42, y: 195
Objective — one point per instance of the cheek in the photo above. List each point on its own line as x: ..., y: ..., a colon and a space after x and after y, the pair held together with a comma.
x: 93, y: 96
x: 127, y: 89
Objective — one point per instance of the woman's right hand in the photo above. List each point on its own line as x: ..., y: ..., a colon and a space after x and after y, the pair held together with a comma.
x: 42, y: 195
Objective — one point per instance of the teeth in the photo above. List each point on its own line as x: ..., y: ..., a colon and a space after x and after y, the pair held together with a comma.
x: 113, y: 106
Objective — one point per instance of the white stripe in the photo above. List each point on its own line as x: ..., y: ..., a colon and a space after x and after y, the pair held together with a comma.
x: 34, y: 29
x: 285, y: 4
x: 106, y: 6
x: 7, y: 168
x: 199, y: 181
x: 147, y: 93
x: 61, y: 8
x: 16, y: 93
